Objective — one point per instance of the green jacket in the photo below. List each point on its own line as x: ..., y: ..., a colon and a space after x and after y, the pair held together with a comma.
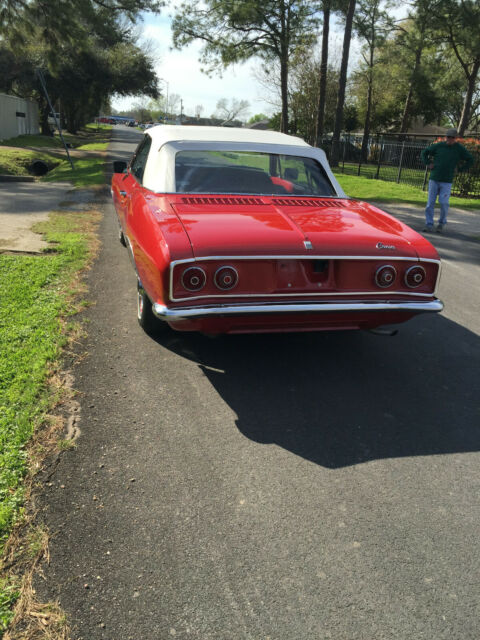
x: 445, y: 159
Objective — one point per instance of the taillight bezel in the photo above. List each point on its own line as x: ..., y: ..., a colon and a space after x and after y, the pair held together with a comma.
x: 417, y: 267
x: 235, y: 278
x: 385, y: 285
x: 203, y: 277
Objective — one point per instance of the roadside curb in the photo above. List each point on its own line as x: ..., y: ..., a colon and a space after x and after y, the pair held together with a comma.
x: 7, y: 178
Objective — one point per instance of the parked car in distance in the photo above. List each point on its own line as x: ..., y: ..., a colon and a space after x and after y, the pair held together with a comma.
x: 240, y: 230
x: 52, y: 116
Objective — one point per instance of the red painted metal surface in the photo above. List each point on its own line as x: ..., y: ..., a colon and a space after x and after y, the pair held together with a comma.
x: 282, y: 248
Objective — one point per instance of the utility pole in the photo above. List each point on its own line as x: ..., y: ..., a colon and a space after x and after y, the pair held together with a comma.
x: 181, y: 111
x: 43, y: 84
x: 166, y: 104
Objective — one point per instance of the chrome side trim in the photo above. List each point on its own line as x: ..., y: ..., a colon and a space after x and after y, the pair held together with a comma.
x: 164, y: 313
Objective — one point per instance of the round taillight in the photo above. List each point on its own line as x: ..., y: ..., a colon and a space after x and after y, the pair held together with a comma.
x: 226, y: 278
x: 415, y: 276
x: 194, y: 279
x: 385, y: 276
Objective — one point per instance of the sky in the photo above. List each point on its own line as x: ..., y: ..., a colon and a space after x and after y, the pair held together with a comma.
x: 181, y: 70
x: 180, y: 73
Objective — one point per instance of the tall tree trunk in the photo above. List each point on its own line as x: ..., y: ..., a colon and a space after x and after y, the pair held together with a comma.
x: 284, y: 92
x: 323, y: 73
x: 284, y: 18
x: 71, y: 114
x: 43, y: 111
x: 334, y: 155
x: 467, y: 104
x: 408, y: 100
x: 368, y: 115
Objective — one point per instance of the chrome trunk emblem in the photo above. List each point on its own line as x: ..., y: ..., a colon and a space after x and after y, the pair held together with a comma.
x: 308, y: 244
x: 380, y: 245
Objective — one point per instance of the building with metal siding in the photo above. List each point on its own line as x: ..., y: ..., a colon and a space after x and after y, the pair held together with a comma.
x: 17, y: 116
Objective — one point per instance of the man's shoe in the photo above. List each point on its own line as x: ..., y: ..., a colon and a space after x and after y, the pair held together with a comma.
x: 439, y: 228
x: 428, y: 228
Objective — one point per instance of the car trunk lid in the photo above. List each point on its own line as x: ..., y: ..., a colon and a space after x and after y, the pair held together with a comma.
x: 261, y: 225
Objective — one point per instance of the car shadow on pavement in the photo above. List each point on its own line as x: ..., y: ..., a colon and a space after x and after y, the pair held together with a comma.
x: 343, y: 398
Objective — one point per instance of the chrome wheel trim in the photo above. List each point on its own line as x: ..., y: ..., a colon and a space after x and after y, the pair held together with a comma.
x: 140, y: 304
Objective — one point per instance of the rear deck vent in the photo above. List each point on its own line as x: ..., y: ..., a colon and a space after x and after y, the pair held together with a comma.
x: 307, y: 202
x: 222, y: 200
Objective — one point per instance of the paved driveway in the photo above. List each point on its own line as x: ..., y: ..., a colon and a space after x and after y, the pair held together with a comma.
x: 22, y: 204
x: 291, y: 487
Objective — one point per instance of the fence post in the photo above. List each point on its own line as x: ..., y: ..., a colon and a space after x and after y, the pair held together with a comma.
x: 380, y: 151
x: 425, y: 178
x: 359, y: 164
x: 343, y: 155
x: 400, y: 163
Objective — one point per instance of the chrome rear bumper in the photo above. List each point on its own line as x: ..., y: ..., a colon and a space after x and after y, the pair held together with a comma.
x: 211, y: 311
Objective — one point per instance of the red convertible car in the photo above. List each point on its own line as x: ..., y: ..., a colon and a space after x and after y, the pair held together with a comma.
x: 237, y: 230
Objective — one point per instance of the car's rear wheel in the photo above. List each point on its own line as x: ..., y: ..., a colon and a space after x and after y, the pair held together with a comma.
x: 146, y: 318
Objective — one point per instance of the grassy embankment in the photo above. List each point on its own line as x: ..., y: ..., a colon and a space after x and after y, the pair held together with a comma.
x: 40, y: 294
x: 17, y: 155
x: 39, y: 298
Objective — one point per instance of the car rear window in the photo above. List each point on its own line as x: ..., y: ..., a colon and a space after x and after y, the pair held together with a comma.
x: 249, y: 172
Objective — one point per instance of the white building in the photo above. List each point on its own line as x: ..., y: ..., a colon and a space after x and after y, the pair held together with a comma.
x: 17, y: 116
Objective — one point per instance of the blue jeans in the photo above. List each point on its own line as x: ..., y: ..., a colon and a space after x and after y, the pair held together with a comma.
x: 442, y: 190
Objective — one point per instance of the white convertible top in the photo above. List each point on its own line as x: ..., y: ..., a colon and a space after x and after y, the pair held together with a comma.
x: 168, y: 140
x: 161, y: 134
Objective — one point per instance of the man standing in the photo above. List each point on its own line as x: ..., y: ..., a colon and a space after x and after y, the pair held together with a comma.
x: 442, y: 158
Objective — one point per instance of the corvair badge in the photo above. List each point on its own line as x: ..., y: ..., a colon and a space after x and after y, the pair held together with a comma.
x: 380, y: 245
x: 308, y: 244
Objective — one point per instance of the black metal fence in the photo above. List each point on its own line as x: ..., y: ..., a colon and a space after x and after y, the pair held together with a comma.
x: 399, y: 162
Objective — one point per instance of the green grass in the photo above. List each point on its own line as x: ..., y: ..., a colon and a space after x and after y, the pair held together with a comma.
x: 33, y: 141
x: 9, y: 593
x: 87, y: 172
x: 93, y: 146
x: 86, y: 136
x: 36, y: 295
x: 16, y: 161
x: 89, y: 134
x: 383, y: 191
x: 416, y: 176
x: 100, y: 126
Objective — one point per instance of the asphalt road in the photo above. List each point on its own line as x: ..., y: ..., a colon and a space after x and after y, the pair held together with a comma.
x: 282, y: 487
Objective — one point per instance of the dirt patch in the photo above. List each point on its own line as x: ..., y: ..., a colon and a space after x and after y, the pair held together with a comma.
x: 24, y: 205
